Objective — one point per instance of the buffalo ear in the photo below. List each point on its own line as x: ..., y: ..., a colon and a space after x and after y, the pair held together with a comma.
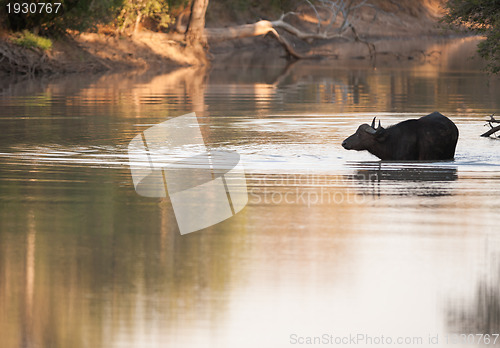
x: 370, y: 130
x: 381, y: 134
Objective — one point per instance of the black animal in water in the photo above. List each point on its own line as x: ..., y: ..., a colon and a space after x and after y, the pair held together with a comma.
x: 429, y: 138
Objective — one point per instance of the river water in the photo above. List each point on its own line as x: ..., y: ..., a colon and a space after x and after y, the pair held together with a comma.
x: 333, y: 247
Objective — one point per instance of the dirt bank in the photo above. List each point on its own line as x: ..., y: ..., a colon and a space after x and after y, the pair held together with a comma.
x: 94, y: 52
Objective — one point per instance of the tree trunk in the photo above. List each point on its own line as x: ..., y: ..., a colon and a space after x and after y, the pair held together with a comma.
x: 195, y: 33
x: 137, y: 23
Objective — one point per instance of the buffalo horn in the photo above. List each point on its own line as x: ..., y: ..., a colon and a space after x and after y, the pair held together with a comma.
x: 373, y: 122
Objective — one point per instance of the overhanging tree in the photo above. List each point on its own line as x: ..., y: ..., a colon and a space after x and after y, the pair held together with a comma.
x: 482, y: 17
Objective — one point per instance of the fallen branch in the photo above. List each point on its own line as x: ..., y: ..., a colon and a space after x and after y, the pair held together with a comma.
x: 327, y: 29
x: 265, y: 27
x: 371, y: 47
x: 493, y: 129
x: 259, y: 28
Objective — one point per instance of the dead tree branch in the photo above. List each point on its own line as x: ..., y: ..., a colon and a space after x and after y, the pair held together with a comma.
x: 493, y: 129
x: 256, y: 29
x: 338, y: 15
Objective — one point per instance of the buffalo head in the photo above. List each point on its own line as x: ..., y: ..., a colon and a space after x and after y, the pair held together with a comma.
x: 365, y: 137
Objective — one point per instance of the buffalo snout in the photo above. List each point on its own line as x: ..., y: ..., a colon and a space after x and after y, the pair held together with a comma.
x: 345, y: 144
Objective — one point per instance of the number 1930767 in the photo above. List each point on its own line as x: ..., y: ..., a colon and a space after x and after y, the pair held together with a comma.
x: 34, y: 7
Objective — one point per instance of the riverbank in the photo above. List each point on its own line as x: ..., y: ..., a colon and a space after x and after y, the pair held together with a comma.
x: 96, y: 52
x: 396, y: 31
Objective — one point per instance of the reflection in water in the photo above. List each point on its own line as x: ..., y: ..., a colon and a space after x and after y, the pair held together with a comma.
x: 30, y: 281
x: 95, y: 265
x: 481, y: 312
x: 400, y: 179
x: 323, y: 245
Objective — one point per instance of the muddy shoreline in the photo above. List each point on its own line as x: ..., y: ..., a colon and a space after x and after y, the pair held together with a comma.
x: 91, y: 53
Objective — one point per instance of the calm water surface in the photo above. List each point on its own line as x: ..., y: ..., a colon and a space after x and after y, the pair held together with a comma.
x: 332, y: 241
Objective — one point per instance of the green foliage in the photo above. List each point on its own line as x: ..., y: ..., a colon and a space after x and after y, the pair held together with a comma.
x: 29, y: 40
x: 482, y: 17
x: 154, y: 10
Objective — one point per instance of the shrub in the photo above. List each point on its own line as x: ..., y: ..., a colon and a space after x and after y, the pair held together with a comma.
x: 30, y: 40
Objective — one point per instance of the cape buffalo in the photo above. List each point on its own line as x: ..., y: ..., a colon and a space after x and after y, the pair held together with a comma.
x: 429, y: 138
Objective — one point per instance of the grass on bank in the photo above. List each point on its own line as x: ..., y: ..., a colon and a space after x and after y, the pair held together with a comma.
x: 29, y: 40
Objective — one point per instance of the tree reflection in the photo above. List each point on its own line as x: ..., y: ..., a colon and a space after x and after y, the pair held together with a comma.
x: 481, y: 313
x: 78, y: 253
